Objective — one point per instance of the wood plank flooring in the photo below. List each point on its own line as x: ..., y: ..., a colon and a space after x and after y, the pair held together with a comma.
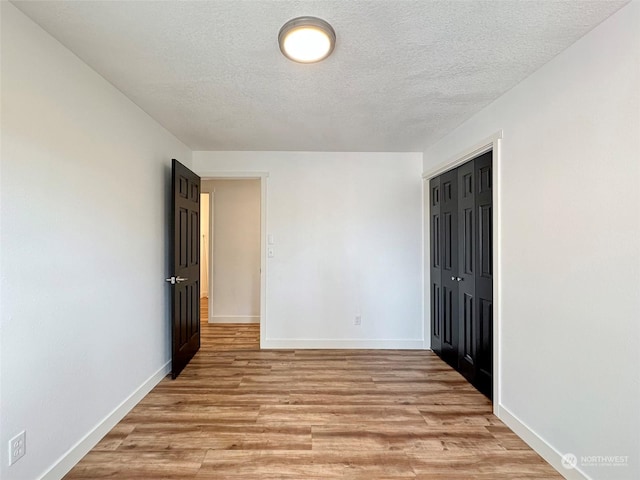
x: 224, y: 336
x: 240, y: 413
x: 221, y: 337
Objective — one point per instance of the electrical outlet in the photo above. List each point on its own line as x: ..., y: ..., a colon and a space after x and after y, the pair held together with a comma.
x: 357, y: 320
x: 17, y: 447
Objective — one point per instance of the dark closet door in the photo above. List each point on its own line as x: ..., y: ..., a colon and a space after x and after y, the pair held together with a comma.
x: 475, y: 247
x: 466, y: 285
x: 436, y: 265
x: 449, y: 251
x: 484, y: 275
x: 461, y: 270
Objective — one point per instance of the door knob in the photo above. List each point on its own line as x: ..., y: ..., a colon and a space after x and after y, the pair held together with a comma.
x: 453, y: 278
x: 459, y: 279
x: 174, y: 280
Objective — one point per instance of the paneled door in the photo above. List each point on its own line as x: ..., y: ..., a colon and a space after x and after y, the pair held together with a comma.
x: 185, y: 255
x: 436, y: 265
x: 467, y: 253
x: 483, y: 246
x: 449, y: 246
x: 461, y: 255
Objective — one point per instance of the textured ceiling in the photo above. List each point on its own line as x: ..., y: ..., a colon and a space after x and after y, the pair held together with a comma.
x: 403, y: 73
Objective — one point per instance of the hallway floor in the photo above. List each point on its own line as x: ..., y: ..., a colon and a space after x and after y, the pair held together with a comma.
x: 226, y: 336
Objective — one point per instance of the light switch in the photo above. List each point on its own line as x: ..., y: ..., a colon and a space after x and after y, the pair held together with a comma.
x: 270, y: 252
x: 270, y: 239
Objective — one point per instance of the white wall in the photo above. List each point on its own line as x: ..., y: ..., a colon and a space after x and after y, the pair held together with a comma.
x: 236, y: 250
x: 570, y: 231
x: 85, y: 197
x: 347, y: 241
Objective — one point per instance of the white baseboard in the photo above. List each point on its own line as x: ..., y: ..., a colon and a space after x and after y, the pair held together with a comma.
x: 544, y: 449
x: 234, y: 319
x: 301, y: 343
x: 65, y: 463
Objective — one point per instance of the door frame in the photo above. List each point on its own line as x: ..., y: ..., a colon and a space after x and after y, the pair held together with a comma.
x: 493, y: 143
x: 262, y: 177
x: 210, y: 252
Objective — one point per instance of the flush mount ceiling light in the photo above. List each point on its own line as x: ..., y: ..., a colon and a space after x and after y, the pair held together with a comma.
x: 306, y: 39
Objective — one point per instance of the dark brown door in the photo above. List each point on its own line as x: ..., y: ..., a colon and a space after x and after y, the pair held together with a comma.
x: 185, y: 279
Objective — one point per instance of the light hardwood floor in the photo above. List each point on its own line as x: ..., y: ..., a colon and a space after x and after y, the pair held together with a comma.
x: 240, y: 413
x: 220, y: 336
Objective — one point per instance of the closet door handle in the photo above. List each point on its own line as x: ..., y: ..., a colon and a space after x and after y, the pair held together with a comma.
x: 459, y: 279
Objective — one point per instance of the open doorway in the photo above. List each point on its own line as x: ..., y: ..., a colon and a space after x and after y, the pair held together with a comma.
x: 231, y: 264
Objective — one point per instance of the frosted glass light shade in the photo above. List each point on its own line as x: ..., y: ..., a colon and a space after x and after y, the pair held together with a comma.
x: 306, y: 39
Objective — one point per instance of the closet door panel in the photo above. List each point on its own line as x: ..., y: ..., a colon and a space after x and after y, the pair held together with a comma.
x: 484, y: 274
x: 435, y: 197
x: 449, y: 243
x: 466, y: 285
